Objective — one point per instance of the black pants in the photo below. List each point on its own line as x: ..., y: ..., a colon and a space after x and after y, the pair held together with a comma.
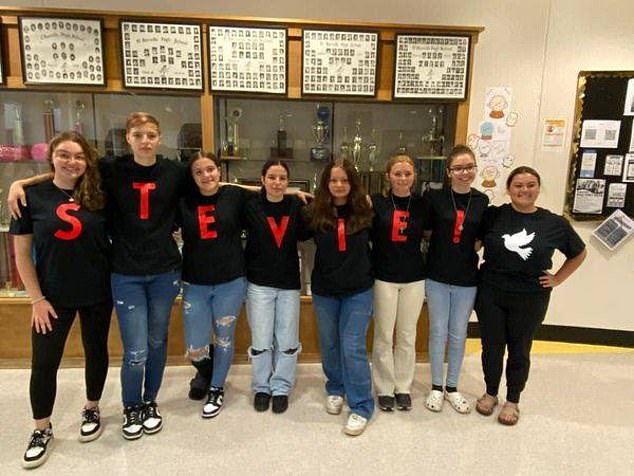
x: 508, y: 320
x: 47, y: 351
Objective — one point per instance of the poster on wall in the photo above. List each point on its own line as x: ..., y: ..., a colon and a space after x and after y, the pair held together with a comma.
x: 431, y: 67
x: 161, y: 55
x: 616, y: 195
x: 613, y: 165
x: 628, y: 107
x: 339, y: 62
x: 628, y: 168
x: 589, y: 195
x: 600, y: 134
x: 61, y: 51
x: 553, y: 134
x: 247, y: 59
x: 614, y: 230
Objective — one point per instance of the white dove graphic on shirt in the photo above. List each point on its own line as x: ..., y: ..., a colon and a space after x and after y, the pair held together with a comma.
x: 516, y: 241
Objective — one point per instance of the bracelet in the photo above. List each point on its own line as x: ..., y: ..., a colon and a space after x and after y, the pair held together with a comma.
x: 35, y: 301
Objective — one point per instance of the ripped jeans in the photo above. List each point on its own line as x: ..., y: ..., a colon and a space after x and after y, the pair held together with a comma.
x: 143, y: 305
x: 210, y: 313
x: 273, y: 315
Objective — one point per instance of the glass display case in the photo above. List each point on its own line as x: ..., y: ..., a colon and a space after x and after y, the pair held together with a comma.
x: 29, y: 119
x: 307, y: 134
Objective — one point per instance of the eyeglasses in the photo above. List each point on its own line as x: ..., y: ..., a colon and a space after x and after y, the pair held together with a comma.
x: 67, y: 157
x: 460, y: 170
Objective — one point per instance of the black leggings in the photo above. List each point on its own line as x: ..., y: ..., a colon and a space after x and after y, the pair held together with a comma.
x: 47, y: 351
x: 508, y: 320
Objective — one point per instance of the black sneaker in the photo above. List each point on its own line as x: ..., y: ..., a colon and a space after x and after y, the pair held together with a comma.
x: 386, y: 403
x: 152, y: 419
x: 403, y: 401
x: 214, y: 402
x: 90, y: 425
x: 132, y: 427
x: 261, y: 401
x: 280, y: 403
x: 198, y: 387
x: 40, y: 445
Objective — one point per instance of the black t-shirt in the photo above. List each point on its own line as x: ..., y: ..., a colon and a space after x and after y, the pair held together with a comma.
x: 397, y: 230
x: 142, y: 203
x: 211, y: 228
x: 342, y: 260
x: 451, y: 258
x: 518, y: 247
x: 71, y: 247
x: 273, y: 231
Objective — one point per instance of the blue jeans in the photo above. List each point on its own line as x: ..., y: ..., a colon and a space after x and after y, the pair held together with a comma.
x: 343, y: 326
x: 143, y: 305
x: 273, y: 315
x: 210, y: 315
x: 449, y: 310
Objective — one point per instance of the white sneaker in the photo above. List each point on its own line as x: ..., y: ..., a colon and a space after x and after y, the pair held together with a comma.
x: 355, y: 425
x: 334, y: 404
x: 458, y: 402
x: 434, y: 401
x: 40, y: 445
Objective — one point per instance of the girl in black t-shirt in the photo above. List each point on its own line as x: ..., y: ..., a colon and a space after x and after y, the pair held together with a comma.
x: 454, y: 217
x: 274, y: 226
x: 214, y: 283
x: 340, y: 217
x: 68, y: 273
x: 515, y: 285
x: 399, y: 268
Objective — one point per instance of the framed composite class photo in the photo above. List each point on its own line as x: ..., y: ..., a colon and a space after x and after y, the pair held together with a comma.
x: 247, y: 59
x: 431, y: 67
x: 340, y: 63
x: 62, y: 51
x: 161, y: 55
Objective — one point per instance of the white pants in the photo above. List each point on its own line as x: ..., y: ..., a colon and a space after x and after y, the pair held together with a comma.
x: 396, y: 306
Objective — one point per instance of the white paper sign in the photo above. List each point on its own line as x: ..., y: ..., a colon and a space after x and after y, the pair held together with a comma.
x: 614, y: 230
x: 600, y: 134
x: 588, y: 163
x: 613, y: 165
x: 616, y: 195
x: 628, y: 169
x: 589, y: 196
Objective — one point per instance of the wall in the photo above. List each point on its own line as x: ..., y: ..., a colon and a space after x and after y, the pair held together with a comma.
x: 536, y: 48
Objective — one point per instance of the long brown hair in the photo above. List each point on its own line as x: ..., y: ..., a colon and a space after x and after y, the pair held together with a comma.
x: 322, y: 214
x: 87, y: 191
x: 458, y: 150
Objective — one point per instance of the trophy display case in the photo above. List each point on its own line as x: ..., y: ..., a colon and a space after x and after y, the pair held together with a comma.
x: 28, y: 120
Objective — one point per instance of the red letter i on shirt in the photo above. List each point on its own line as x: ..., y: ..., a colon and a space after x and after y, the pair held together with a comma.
x: 278, y: 231
x: 144, y: 202
x: 341, y: 234
x: 206, y: 218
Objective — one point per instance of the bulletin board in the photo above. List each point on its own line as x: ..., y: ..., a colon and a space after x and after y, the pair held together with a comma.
x: 601, y: 174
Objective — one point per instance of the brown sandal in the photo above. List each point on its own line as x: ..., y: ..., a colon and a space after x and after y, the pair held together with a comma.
x: 509, y: 415
x: 486, y: 404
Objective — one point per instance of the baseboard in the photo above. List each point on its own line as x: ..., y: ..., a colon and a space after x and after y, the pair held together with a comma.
x: 575, y: 335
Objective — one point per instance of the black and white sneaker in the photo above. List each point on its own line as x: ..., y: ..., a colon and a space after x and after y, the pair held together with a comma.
x: 90, y: 425
x: 152, y: 419
x: 214, y: 402
x: 40, y: 445
x: 132, y: 427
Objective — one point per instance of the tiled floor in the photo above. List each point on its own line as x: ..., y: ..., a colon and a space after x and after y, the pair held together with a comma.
x: 577, y: 418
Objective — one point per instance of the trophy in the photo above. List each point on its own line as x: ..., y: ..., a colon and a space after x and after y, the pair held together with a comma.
x: 402, y: 148
x: 49, y: 119
x: 281, y: 137
x: 232, y: 146
x: 321, y: 131
x: 434, y: 139
x: 356, y: 145
x: 79, y: 109
x: 345, y: 148
x: 372, y: 149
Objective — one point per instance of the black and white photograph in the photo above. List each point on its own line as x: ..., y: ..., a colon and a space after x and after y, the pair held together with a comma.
x: 628, y: 107
x: 247, y: 59
x: 431, y: 66
x: 342, y: 63
x: 161, y: 55
x: 589, y: 195
x: 62, y: 51
x: 614, y: 230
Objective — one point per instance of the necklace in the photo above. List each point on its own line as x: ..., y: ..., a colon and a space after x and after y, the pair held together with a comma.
x: 460, y: 217
x: 409, y: 200
x: 68, y: 195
